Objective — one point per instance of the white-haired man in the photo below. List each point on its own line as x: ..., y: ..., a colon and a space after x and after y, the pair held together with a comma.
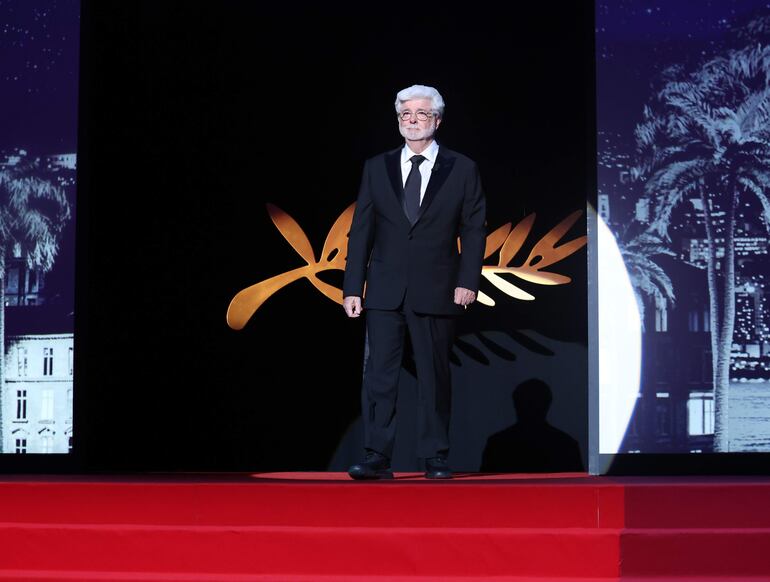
x: 413, y: 204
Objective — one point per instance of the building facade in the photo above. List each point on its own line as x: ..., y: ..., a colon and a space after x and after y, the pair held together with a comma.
x: 37, y: 396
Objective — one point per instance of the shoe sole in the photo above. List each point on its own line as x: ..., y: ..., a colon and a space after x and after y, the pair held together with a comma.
x: 438, y: 476
x: 376, y: 476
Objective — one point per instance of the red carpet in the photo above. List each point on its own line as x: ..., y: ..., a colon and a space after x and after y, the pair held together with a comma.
x: 323, y: 527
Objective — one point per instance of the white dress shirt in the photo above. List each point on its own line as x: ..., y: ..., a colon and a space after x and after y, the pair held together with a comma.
x: 426, y: 168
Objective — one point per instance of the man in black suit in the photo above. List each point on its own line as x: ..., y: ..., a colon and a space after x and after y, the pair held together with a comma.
x: 414, y: 203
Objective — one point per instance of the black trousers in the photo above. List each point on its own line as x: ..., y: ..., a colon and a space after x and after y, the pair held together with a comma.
x: 432, y: 337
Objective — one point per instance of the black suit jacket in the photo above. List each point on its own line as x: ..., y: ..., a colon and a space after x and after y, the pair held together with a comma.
x: 392, y: 255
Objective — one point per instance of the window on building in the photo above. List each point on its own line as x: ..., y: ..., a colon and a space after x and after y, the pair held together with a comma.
x: 21, y: 405
x: 46, y: 443
x: 12, y: 280
x: 46, y: 405
x: 47, y: 361
x: 22, y: 361
x: 21, y: 446
x: 700, y: 413
x: 70, y: 361
x: 661, y: 317
x: 662, y: 414
x: 693, y: 320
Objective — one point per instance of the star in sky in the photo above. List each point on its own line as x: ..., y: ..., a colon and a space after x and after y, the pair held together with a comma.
x: 39, y: 52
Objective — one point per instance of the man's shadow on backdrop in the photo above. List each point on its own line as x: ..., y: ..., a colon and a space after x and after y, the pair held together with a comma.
x: 531, y: 445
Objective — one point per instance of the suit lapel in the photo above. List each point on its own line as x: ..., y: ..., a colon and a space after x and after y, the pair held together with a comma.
x: 393, y: 166
x: 439, y: 174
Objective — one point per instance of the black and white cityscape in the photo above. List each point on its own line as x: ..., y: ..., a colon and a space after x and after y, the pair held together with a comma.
x: 38, y: 161
x: 683, y: 116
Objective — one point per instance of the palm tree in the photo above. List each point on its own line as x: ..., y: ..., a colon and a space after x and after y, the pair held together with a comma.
x: 647, y: 278
x: 33, y: 213
x: 708, y: 136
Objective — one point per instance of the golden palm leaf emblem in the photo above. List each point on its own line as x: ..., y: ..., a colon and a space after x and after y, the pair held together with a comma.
x: 507, y: 239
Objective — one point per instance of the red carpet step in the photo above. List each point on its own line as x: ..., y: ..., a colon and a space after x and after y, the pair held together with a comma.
x: 302, y: 527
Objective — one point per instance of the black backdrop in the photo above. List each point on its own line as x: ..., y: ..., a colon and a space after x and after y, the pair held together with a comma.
x: 193, y: 118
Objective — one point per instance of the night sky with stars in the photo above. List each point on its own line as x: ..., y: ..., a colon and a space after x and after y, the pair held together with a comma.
x: 39, y: 75
x: 637, y: 39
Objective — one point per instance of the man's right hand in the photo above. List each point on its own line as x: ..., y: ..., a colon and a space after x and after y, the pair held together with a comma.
x: 352, y: 305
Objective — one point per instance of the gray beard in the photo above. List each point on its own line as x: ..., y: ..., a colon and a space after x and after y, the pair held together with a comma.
x: 417, y: 135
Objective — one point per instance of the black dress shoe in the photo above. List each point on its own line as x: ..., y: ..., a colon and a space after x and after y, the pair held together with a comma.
x: 376, y: 466
x: 437, y: 468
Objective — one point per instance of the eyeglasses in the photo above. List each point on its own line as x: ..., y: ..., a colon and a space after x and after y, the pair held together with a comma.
x: 420, y: 115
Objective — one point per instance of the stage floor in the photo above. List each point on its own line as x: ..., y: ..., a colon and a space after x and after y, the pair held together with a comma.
x: 325, y: 526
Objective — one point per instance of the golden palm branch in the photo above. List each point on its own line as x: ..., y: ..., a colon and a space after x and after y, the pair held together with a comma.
x: 334, y: 254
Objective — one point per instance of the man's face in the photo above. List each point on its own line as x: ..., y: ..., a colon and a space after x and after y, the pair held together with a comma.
x: 411, y: 126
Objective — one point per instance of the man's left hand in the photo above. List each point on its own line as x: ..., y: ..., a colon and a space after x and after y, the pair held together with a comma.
x: 464, y: 296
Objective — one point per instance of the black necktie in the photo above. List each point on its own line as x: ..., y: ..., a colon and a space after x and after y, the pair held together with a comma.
x: 412, y: 188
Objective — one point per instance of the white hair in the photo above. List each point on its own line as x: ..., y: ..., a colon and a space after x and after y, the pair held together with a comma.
x: 421, y: 92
